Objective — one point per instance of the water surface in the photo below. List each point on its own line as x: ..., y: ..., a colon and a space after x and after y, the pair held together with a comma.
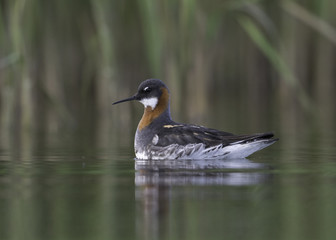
x: 283, y: 192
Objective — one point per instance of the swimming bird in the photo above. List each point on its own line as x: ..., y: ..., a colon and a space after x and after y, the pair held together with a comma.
x: 159, y: 137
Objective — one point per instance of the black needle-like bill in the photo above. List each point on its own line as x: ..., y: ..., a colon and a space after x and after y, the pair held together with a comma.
x: 125, y: 100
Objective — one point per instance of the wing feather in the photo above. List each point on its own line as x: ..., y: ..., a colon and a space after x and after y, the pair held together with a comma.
x: 186, y: 134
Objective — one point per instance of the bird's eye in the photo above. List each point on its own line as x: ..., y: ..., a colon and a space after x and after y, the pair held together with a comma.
x: 146, y: 89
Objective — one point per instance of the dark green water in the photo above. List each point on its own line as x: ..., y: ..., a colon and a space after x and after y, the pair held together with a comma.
x: 284, y: 192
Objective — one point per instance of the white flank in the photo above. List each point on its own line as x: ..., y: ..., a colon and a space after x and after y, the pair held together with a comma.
x: 198, y: 151
x: 149, y: 102
x: 141, y: 155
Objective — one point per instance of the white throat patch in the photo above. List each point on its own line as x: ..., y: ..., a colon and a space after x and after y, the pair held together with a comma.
x: 149, y: 102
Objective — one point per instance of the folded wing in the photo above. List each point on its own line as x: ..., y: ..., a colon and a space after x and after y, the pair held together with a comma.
x: 185, y: 134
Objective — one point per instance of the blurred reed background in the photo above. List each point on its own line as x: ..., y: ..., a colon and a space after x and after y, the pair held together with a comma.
x: 235, y: 65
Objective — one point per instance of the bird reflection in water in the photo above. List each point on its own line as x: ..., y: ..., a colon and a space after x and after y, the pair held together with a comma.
x: 155, y: 179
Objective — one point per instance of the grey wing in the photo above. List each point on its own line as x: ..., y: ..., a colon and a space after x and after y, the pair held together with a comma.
x: 187, y: 134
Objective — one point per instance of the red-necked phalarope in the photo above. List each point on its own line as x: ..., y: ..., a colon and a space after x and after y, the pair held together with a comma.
x: 159, y: 137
